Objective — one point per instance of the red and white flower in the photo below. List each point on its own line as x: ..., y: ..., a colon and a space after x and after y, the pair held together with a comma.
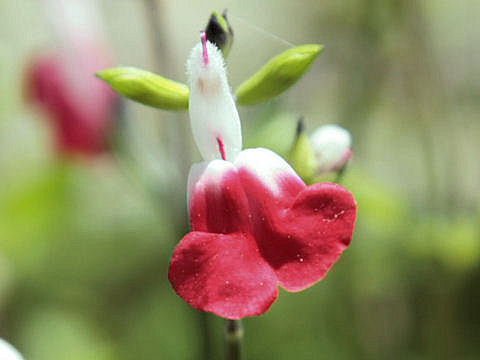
x: 254, y: 224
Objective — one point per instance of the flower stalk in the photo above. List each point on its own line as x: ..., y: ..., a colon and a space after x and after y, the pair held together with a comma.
x: 233, y: 339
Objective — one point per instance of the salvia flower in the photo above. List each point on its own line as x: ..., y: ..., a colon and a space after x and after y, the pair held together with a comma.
x: 80, y: 108
x: 332, y: 146
x: 254, y: 224
x: 8, y: 352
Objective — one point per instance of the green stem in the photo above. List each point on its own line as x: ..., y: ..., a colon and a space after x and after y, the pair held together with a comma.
x: 233, y: 339
x: 204, y: 325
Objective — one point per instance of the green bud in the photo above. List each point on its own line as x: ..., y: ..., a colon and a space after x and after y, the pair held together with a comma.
x: 220, y: 32
x: 277, y: 75
x: 302, y: 157
x: 146, y: 87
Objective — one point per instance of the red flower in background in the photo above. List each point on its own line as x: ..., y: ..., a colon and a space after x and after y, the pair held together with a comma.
x: 255, y: 224
x: 81, y: 108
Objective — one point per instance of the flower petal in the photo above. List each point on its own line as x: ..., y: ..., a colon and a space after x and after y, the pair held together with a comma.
x: 213, y: 115
x: 223, y: 274
x: 271, y: 170
x: 318, y: 227
x: 300, y: 231
x: 216, y: 198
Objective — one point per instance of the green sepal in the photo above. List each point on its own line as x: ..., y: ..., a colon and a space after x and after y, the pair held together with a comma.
x: 146, y: 87
x: 302, y: 156
x: 277, y: 75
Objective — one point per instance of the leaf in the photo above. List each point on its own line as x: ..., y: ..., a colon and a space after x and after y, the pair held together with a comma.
x: 146, y: 87
x: 277, y: 75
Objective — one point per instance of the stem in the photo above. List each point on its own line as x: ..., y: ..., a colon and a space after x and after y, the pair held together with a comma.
x: 233, y: 339
x: 203, y: 323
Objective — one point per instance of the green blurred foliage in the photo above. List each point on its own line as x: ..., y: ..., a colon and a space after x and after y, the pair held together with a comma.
x: 84, y: 245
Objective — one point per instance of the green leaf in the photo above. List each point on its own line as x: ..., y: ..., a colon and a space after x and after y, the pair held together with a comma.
x: 277, y: 75
x: 146, y: 87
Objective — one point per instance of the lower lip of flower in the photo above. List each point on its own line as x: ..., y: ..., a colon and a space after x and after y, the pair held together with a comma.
x: 249, y: 236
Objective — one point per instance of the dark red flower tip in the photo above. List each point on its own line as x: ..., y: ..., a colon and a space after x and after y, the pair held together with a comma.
x: 254, y: 229
x: 80, y: 107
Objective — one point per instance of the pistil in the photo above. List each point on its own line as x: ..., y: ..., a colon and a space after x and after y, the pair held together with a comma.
x: 221, y: 148
x: 203, y: 38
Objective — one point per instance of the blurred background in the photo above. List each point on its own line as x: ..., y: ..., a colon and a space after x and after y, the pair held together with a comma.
x: 91, y: 208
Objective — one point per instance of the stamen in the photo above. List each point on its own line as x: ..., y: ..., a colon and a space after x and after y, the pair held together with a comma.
x: 203, y: 39
x: 221, y: 149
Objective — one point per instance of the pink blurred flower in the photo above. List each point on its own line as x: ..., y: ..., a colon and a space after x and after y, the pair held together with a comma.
x: 81, y: 108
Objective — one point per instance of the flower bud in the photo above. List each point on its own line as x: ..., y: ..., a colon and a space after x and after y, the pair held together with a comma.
x: 146, y: 87
x: 332, y: 147
x: 277, y: 75
x: 302, y: 156
x: 219, y: 32
x: 8, y: 352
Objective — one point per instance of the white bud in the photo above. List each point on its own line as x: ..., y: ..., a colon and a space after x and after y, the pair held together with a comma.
x: 213, y: 114
x: 332, y: 146
x: 8, y: 352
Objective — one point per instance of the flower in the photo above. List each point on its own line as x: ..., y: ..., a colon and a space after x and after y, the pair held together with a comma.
x: 80, y: 107
x: 8, y: 352
x: 332, y: 146
x: 255, y: 224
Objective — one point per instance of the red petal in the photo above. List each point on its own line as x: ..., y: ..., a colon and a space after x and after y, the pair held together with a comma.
x: 217, y: 203
x: 320, y: 223
x: 303, y: 238
x: 223, y: 274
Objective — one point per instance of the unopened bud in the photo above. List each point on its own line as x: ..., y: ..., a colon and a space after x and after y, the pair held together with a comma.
x: 302, y: 156
x: 332, y: 145
x: 146, y: 87
x: 219, y: 32
x: 277, y: 75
